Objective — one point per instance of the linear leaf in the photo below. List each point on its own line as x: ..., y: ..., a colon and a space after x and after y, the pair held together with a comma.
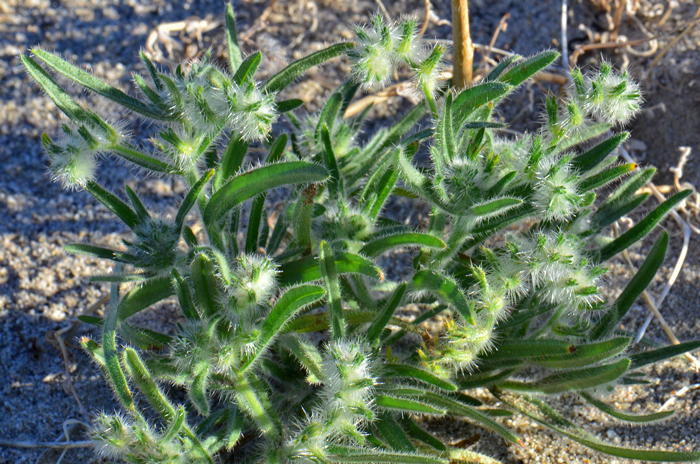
x: 284, y: 106
x: 235, y: 58
x: 113, y: 203
x: 446, y: 289
x: 285, y: 77
x: 235, y: 152
x: 191, y: 199
x: 385, y: 314
x: 307, y: 269
x: 643, y: 227
x: 380, y: 245
x: 414, y: 431
x: 634, y: 418
x: 405, y: 405
x: 540, y: 412
x: 285, y: 308
x: 184, y: 296
x: 145, y: 295
x: 578, y: 379
x: 257, y: 181
x: 246, y: 71
x: 590, y: 159
x: 659, y: 354
x: 525, y: 69
x: 634, y: 288
x: 326, y: 263
x: 606, y: 177
x: 96, y: 85
x: 404, y: 370
x: 99, y: 252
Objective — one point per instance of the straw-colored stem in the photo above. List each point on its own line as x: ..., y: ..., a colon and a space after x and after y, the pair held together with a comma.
x: 463, y: 46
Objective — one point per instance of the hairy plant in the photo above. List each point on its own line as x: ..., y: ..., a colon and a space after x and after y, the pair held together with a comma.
x: 289, y: 349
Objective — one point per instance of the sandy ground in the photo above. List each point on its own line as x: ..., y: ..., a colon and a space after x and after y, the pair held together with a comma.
x: 42, y: 289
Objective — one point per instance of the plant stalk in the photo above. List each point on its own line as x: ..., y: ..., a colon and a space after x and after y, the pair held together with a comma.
x: 463, y: 46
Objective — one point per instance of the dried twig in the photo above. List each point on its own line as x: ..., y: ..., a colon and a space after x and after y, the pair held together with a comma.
x: 502, y: 26
x: 673, y: 42
x: 564, y: 34
x: 50, y: 444
x: 426, y: 19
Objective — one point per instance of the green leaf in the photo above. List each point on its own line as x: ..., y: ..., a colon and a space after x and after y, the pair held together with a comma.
x: 143, y: 160
x: 582, y: 355
x: 504, y: 63
x: 256, y: 213
x: 392, y: 433
x: 654, y: 356
x: 336, y: 189
x: 257, y: 181
x: 284, y: 106
x: 253, y: 401
x: 405, y: 405
x: 590, y: 159
x: 231, y: 162
x: 414, y: 431
x: 235, y: 58
x: 445, y: 288
x: 175, y: 426
x: 184, y: 296
x: 206, y: 290
x: 191, y: 199
x: 285, y: 308
x: 144, y: 382
x: 591, y: 132
x: 246, y: 71
x: 630, y: 186
x: 109, y: 348
x: 578, y: 379
x: 404, y: 370
x: 380, y: 457
x: 472, y: 98
x: 145, y: 295
x: 375, y: 329
x: 139, y: 208
x: 307, y: 269
x: 525, y: 69
x: 330, y: 279
x: 92, y: 83
x: 99, y: 252
x: 198, y: 391
x: 381, y: 245
x: 611, y: 212
x: 459, y: 409
x: 606, y: 177
x: 143, y: 338
x: 307, y: 354
x: 634, y: 418
x: 63, y: 101
x: 114, y: 204
x: 642, y: 228
x: 634, y: 288
x: 152, y: 71
x: 540, y: 412
x: 495, y: 207
x: 285, y: 77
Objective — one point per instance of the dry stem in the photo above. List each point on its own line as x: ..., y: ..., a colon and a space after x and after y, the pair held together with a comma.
x: 463, y: 46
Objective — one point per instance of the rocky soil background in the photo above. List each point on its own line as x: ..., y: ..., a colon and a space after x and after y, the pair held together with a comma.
x: 42, y: 289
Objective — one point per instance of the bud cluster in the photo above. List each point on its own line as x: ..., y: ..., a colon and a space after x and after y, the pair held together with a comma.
x: 383, y: 46
x: 345, y: 404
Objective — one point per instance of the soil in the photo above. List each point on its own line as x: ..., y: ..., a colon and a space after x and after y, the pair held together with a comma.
x: 42, y: 289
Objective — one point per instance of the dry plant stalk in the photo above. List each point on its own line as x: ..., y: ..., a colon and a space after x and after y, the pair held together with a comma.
x: 463, y: 46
